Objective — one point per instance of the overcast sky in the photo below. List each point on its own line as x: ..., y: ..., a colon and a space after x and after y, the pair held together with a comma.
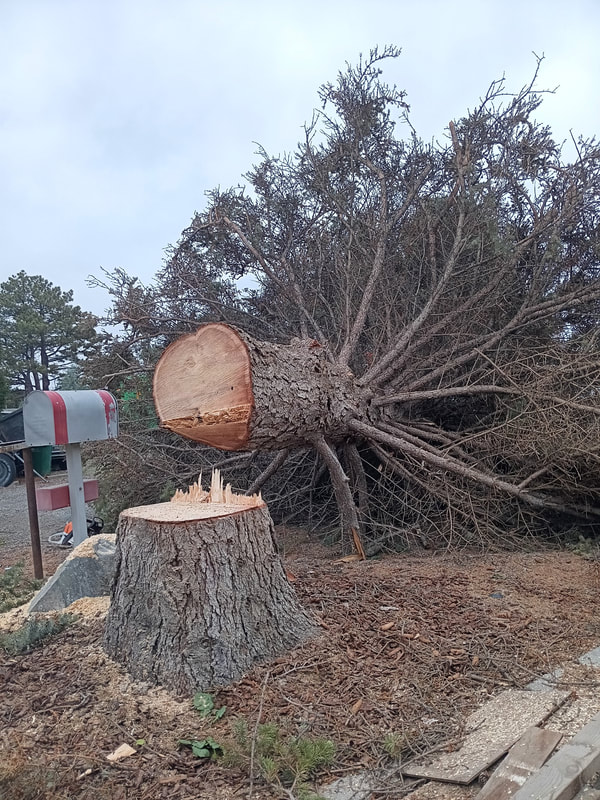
x: 116, y: 116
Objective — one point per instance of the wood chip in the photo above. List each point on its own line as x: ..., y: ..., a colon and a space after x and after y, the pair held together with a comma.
x: 357, y: 706
x: 122, y: 751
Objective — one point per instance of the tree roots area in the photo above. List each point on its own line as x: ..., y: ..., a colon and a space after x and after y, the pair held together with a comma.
x: 407, y: 646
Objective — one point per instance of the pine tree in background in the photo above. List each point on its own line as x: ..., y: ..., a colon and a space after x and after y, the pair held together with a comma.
x: 42, y: 333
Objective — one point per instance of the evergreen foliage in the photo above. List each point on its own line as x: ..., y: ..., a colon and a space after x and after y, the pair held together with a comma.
x: 458, y: 280
x: 41, y: 332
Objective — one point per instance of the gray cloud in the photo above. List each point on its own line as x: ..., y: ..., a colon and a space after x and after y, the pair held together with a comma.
x: 116, y: 117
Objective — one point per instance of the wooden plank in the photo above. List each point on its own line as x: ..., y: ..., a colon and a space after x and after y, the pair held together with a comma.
x: 589, y: 793
x: 530, y: 753
x: 491, y: 731
x: 567, y: 771
x: 49, y: 498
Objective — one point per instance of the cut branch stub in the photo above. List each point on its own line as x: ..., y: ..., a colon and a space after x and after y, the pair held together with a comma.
x: 221, y: 387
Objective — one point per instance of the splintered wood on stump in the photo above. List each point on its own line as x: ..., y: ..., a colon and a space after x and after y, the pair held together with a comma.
x: 221, y: 387
x: 200, y: 593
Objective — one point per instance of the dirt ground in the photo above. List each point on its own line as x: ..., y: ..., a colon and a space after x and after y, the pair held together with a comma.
x: 14, y: 524
x: 409, y: 645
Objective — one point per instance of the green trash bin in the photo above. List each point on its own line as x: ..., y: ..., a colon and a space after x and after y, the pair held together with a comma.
x: 42, y: 459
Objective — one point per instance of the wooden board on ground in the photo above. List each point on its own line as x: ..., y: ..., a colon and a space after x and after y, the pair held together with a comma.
x: 566, y: 772
x: 589, y: 793
x: 490, y: 732
x: 530, y: 753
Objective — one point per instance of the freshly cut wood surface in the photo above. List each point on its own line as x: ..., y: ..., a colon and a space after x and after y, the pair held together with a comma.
x: 203, y: 387
x: 183, y: 512
x: 197, y: 504
x: 218, y: 493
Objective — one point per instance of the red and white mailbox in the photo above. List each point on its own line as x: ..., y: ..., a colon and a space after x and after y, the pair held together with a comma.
x: 69, y: 418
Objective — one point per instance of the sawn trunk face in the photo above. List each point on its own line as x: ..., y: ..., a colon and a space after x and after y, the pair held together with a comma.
x: 197, y: 602
x: 221, y: 387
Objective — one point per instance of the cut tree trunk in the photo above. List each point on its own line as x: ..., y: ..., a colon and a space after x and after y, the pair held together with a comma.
x: 221, y: 387
x: 200, y: 594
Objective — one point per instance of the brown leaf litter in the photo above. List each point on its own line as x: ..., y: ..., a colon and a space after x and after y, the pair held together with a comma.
x: 408, y: 646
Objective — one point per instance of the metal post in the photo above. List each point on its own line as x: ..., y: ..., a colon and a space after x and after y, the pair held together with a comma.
x: 76, y: 496
x: 34, y: 525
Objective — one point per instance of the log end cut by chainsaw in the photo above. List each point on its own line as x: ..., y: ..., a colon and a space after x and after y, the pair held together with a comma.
x: 221, y: 387
x: 203, y: 388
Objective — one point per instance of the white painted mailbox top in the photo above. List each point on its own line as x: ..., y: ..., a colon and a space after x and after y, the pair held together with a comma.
x: 69, y: 417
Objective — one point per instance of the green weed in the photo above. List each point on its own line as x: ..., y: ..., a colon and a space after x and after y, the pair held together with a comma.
x: 394, y: 744
x: 202, y: 748
x: 205, y: 706
x: 585, y: 547
x: 280, y: 760
x: 34, y: 632
x: 15, y: 589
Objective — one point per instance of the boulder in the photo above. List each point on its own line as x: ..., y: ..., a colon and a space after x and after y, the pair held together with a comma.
x: 86, y: 572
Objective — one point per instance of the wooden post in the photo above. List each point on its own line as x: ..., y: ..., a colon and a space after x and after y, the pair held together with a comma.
x: 34, y: 525
x: 200, y: 594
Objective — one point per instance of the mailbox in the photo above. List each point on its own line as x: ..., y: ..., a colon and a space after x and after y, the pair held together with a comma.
x: 69, y: 417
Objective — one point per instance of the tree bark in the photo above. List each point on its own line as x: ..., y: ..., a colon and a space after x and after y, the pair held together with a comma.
x: 200, y: 595
x: 221, y: 387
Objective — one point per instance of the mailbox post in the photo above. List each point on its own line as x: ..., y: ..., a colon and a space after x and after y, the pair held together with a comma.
x: 69, y: 418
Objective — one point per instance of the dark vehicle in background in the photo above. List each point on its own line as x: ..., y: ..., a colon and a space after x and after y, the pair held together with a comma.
x: 11, y: 435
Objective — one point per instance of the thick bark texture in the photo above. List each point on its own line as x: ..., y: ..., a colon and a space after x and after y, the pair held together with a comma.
x: 221, y: 387
x: 200, y: 595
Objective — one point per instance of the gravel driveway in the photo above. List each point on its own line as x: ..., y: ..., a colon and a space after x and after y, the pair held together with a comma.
x: 15, y: 538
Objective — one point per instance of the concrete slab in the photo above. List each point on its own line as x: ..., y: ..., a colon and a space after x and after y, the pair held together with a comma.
x: 591, y: 658
x: 546, y: 682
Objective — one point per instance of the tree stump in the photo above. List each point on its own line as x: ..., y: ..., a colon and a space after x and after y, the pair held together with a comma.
x: 200, y: 594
